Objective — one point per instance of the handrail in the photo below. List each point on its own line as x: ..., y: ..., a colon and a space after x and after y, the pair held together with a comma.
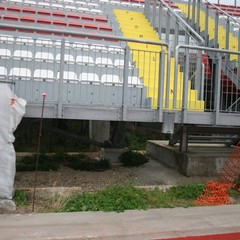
x: 63, y: 32
x: 190, y: 29
x: 225, y: 13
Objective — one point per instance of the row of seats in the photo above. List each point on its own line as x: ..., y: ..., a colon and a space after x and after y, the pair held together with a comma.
x: 68, y: 58
x: 45, y: 12
x: 8, y: 40
x: 56, y: 22
x: 67, y: 76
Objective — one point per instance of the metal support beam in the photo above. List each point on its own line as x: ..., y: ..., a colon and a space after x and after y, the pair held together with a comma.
x: 125, y: 83
x: 217, y: 90
x: 147, y: 8
x: 193, y: 12
x: 216, y: 30
x: 185, y: 87
x: 184, y: 139
x: 198, y: 16
x: 206, y: 26
x: 227, y: 35
x: 60, y: 85
x: 154, y: 14
x: 238, y: 63
x: 161, y: 85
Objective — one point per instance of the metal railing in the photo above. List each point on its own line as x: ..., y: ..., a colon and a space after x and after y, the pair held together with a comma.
x: 220, y: 94
x: 77, y: 72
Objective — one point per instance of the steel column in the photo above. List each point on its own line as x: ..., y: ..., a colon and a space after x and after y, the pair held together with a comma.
x: 216, y: 30
x: 161, y: 85
x: 217, y: 90
x: 125, y: 84
x: 238, y: 63
x: 206, y: 26
x: 185, y: 87
x: 60, y: 84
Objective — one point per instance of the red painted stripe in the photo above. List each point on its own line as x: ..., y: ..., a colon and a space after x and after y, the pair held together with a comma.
x: 225, y: 236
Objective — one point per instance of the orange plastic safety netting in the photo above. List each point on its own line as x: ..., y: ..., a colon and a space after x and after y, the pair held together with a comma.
x: 216, y: 193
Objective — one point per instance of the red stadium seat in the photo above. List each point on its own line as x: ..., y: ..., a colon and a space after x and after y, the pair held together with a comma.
x: 43, y: 21
x: 100, y: 19
x: 90, y: 26
x: 87, y: 17
x: 14, y: 8
x: 73, y: 15
x: 27, y: 19
x: 59, y: 14
x: 29, y: 10
x: 2, y: 7
x: 105, y: 28
x: 75, y: 24
x: 44, y: 12
x: 59, y: 22
x: 11, y: 17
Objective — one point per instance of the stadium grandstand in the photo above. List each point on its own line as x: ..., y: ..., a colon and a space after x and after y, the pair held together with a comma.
x: 153, y: 61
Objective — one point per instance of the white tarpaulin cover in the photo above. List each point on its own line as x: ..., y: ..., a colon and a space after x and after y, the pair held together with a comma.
x: 12, y: 109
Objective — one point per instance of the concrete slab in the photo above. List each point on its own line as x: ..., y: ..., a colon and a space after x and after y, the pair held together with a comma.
x: 139, y: 225
x: 200, y: 160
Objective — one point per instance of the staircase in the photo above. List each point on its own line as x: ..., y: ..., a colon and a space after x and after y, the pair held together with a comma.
x: 135, y: 25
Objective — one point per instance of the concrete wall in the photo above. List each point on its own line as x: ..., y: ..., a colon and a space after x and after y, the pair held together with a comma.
x: 200, y: 160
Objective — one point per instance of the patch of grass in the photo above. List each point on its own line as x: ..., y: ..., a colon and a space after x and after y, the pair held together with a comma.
x: 186, y: 191
x: 21, y: 197
x: 126, y: 197
x: 45, y: 163
x: 132, y: 159
x: 118, y: 198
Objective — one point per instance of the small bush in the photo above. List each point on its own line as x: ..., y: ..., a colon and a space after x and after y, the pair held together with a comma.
x: 84, y: 163
x: 132, y: 159
x: 136, y: 141
x: 186, y: 191
x: 45, y: 163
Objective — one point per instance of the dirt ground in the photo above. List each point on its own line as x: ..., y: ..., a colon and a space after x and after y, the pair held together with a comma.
x: 66, y: 181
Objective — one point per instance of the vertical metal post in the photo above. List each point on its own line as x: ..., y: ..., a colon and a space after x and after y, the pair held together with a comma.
x: 161, y: 85
x: 227, y: 34
x: 189, y: 10
x: 206, y: 26
x: 238, y: 63
x: 154, y: 14
x: 198, y: 16
x: 125, y: 84
x: 160, y: 19
x: 217, y: 90
x: 176, y: 34
x: 198, y: 75
x: 60, y: 83
x: 175, y: 86
x: 168, y: 78
x: 185, y: 87
x: 147, y: 9
x: 193, y: 12
x: 216, y: 30
x: 168, y: 28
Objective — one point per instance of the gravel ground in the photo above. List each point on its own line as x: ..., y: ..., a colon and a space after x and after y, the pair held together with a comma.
x: 66, y: 177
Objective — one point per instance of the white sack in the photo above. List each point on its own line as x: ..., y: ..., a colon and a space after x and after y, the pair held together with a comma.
x: 12, y: 109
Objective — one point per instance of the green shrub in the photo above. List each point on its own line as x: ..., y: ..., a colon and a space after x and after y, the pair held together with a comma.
x: 186, y: 191
x: 136, y: 141
x: 45, y: 163
x: 132, y: 159
x: 84, y: 163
